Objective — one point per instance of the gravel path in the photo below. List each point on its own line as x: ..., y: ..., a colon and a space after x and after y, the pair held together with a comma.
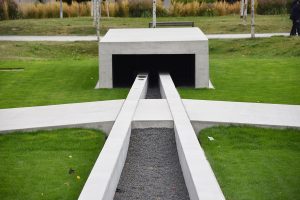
x: 152, y: 169
x: 153, y: 93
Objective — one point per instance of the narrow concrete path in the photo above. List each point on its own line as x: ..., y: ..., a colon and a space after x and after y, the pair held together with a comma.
x: 152, y: 169
x: 104, y: 113
x: 52, y: 38
x: 73, y: 38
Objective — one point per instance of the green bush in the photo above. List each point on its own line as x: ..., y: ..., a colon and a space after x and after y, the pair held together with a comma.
x: 8, y: 10
x: 271, y: 7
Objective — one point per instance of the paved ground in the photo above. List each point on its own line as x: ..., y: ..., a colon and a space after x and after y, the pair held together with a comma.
x: 152, y: 169
x: 94, y: 38
x: 66, y: 115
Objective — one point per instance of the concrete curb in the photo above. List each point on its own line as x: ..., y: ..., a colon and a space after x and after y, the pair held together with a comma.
x: 104, y: 177
x: 199, y: 177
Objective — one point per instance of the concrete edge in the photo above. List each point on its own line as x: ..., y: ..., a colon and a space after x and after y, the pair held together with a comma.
x: 104, y: 126
x: 152, y: 124
x: 200, y: 125
x: 104, y: 177
x: 198, y: 174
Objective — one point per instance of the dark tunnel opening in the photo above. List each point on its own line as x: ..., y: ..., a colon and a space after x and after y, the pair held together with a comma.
x: 181, y: 67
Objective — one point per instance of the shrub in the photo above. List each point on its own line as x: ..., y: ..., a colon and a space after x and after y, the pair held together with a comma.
x: 203, y: 9
x: 8, y: 10
x: 51, y: 10
x: 271, y: 7
x: 123, y: 10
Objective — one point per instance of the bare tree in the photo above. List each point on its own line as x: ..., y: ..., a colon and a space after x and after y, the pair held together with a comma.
x: 242, y: 9
x: 154, y: 14
x: 61, y: 15
x: 107, y: 7
x: 94, y: 12
x: 252, y: 19
x: 245, y: 11
x: 98, y: 13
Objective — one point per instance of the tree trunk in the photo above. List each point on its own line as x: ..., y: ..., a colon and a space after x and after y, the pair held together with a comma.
x: 242, y: 9
x: 98, y: 13
x: 107, y: 7
x: 154, y: 14
x: 61, y: 15
x: 252, y: 19
x: 95, y: 12
x: 245, y: 11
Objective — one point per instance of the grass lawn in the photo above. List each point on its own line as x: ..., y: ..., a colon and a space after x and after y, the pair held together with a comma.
x: 84, y: 25
x: 54, y: 73
x: 254, y: 163
x: 260, y: 70
x: 36, y: 165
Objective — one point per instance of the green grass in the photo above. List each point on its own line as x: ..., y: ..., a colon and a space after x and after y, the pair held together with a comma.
x: 260, y: 70
x: 36, y: 165
x: 254, y: 163
x: 54, y: 73
x: 83, y: 25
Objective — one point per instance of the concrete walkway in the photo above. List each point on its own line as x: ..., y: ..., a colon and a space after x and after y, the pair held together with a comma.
x: 150, y: 112
x: 73, y: 38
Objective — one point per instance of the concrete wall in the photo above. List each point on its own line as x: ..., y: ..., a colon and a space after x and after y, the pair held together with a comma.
x: 104, y: 177
x: 198, y: 175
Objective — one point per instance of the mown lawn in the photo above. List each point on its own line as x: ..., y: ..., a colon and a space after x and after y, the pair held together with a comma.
x: 37, y: 165
x: 54, y: 73
x: 254, y: 163
x: 260, y: 70
x: 84, y: 25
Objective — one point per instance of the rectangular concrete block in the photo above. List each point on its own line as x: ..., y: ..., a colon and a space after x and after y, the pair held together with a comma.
x: 158, y: 41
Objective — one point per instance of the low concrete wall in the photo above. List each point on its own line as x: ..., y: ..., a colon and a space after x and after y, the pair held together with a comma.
x: 199, y: 177
x: 104, y: 177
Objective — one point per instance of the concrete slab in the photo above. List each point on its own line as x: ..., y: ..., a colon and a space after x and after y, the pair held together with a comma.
x: 210, y: 113
x: 100, y: 115
x: 152, y: 113
x: 153, y: 35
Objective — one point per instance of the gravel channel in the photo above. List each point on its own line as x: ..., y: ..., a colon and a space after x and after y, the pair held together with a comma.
x: 153, y: 93
x: 152, y: 169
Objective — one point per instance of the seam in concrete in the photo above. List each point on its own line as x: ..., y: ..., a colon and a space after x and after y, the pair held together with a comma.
x: 199, y: 177
x: 104, y: 177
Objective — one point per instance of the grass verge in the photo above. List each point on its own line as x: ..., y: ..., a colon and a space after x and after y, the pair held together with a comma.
x: 254, y: 163
x: 37, y: 165
x: 84, y: 25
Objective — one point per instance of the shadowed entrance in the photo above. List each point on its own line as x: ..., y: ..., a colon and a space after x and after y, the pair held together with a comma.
x: 180, y: 66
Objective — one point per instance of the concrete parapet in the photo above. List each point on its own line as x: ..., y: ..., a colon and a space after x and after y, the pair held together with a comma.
x: 104, y: 177
x: 199, y: 177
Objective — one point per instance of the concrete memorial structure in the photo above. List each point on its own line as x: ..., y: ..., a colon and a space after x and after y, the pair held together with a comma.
x: 182, y: 52
x: 141, y: 58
